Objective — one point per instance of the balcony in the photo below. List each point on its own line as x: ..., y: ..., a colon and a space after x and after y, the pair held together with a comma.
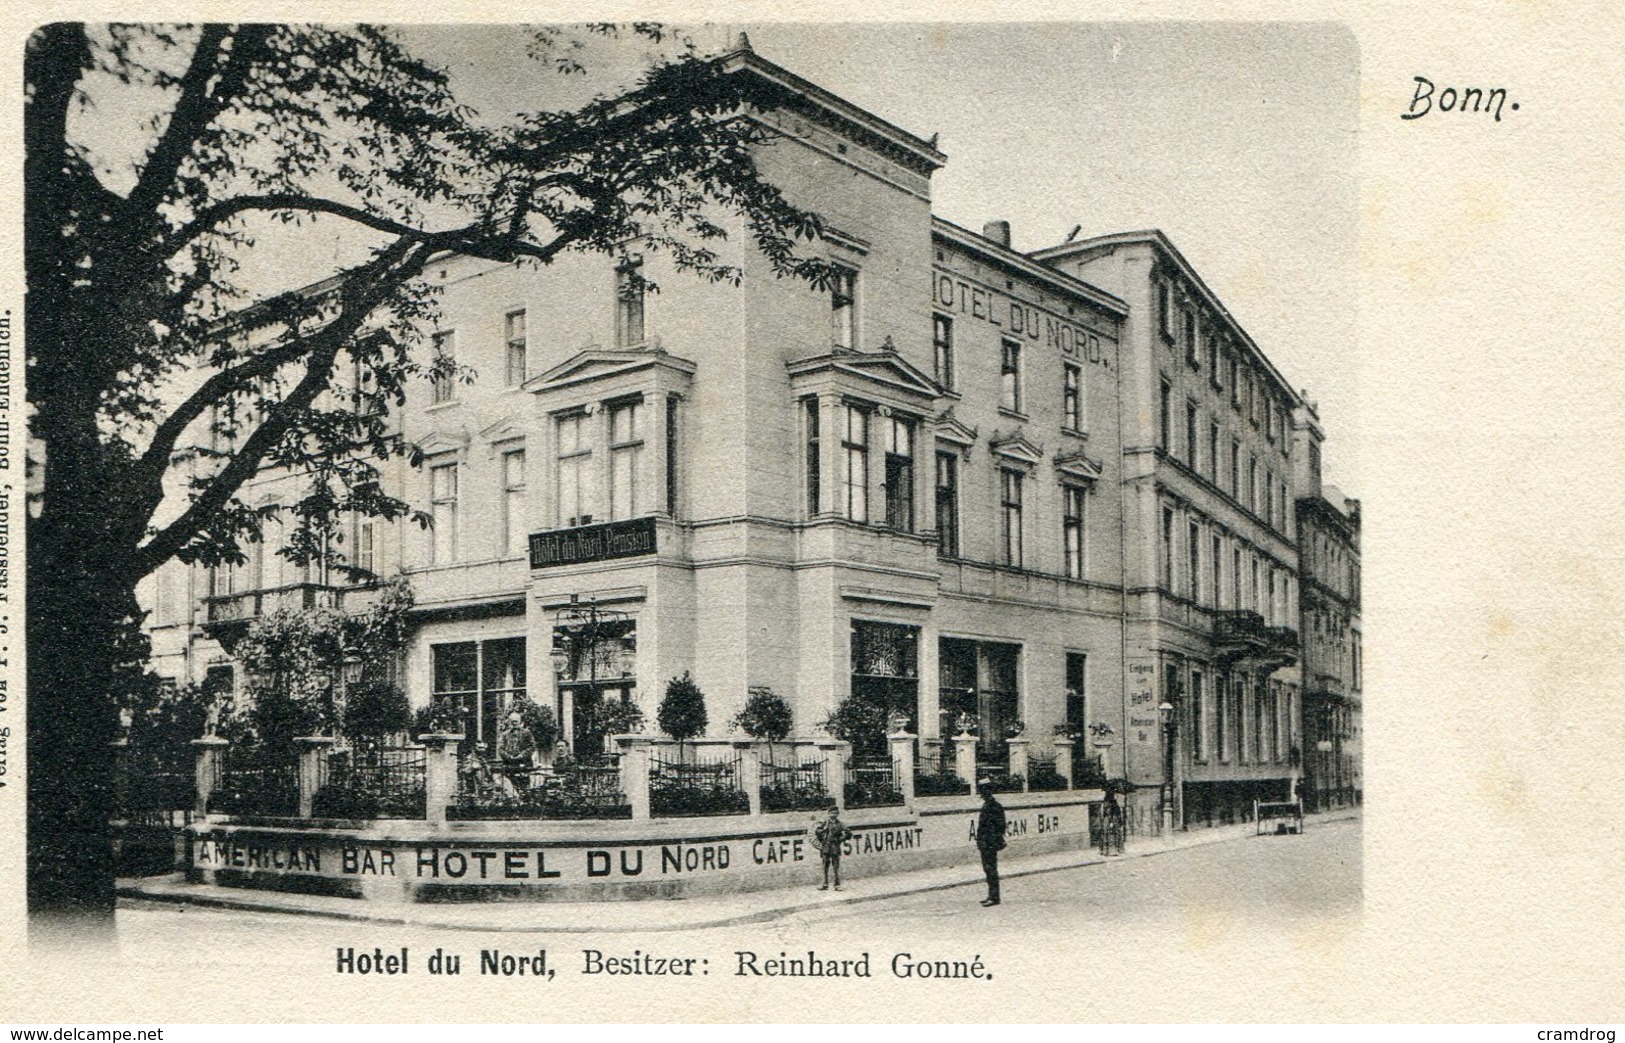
x: 1242, y: 639
x: 226, y: 616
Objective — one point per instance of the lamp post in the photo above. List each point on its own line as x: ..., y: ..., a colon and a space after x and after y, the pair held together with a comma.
x: 350, y: 671
x: 581, y: 627
x: 1170, y: 725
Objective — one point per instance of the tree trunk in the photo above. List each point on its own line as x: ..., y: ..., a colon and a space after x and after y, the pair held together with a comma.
x: 82, y: 644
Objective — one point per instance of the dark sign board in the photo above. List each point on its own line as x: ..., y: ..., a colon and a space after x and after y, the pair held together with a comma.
x: 622, y: 539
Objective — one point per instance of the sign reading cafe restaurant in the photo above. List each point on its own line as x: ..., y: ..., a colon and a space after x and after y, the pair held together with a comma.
x: 587, y: 543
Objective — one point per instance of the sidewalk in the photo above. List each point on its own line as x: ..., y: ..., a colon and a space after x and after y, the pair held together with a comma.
x: 684, y: 914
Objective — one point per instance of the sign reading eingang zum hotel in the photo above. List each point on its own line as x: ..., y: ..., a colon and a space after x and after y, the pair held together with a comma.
x: 513, y: 862
x: 585, y: 543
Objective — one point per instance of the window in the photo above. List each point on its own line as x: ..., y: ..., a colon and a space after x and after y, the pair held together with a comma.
x: 948, y: 505
x: 1010, y: 377
x: 1252, y: 484
x: 1235, y: 578
x: 1072, y: 516
x: 1165, y: 418
x: 1269, y: 497
x: 1010, y: 515
x: 1235, y: 381
x: 1198, y: 739
x: 445, y: 366
x: 1239, y: 706
x: 1272, y: 607
x: 1193, y: 446
x: 1221, y: 718
x: 1314, y: 465
x: 1260, y: 719
x: 1213, y: 451
x: 1071, y: 397
x: 366, y: 547
x: 514, y: 336
x: 1252, y: 399
x: 1164, y: 320
x: 885, y: 674
x: 900, y: 473
x: 479, y: 680
x: 629, y: 287
x: 1217, y: 559
x: 942, y: 339
x: 1189, y: 321
x: 855, y: 444
x: 1257, y: 605
x: 1213, y: 359
x: 809, y: 427
x: 1269, y: 417
x: 671, y: 454
x: 1077, y: 707
x: 843, y: 308
x: 1168, y: 549
x: 443, y: 513
x: 576, y: 501
x: 981, y: 679
x: 1235, y: 468
x: 513, y: 502
x: 1193, y: 550
x: 625, y: 448
x: 368, y: 402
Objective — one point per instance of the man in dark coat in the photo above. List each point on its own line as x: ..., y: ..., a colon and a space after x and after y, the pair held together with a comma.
x: 990, y: 840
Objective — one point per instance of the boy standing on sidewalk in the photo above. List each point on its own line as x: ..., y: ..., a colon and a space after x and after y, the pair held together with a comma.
x: 830, y: 835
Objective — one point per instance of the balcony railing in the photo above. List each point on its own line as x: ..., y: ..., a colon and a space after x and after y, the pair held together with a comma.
x: 255, y: 604
x: 1244, y: 635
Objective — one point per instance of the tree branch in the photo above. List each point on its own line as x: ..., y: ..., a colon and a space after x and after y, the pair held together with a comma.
x: 399, y: 263
x: 212, y: 216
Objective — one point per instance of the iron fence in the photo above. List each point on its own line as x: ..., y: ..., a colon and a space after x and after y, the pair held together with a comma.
x: 255, y: 783
x: 872, y: 783
x: 576, y: 791
x: 794, y: 787
x: 939, y: 784
x: 373, y: 783
x: 710, y: 787
x: 1042, y: 776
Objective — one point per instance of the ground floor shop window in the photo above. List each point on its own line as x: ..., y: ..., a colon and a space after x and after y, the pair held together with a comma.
x: 886, y: 673
x: 1198, y: 734
x: 479, y: 678
x: 982, y: 679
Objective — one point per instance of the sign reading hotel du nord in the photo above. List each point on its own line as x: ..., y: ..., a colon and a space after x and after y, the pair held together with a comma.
x: 587, y: 543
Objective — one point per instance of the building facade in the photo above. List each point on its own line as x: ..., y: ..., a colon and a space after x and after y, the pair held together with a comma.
x: 1046, y: 495
x: 1329, y: 540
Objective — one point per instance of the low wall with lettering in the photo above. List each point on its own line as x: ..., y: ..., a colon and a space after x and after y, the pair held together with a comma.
x: 575, y: 861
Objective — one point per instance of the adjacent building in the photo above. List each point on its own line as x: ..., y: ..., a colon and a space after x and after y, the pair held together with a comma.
x: 1058, y: 495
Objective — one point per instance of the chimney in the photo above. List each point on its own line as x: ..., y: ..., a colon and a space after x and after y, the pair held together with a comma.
x: 998, y: 231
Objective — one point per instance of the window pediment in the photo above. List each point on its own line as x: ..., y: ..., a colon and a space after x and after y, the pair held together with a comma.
x: 1017, y: 448
x: 442, y: 442
x: 954, y: 431
x: 1079, y: 466
x: 595, y: 364
x: 856, y: 370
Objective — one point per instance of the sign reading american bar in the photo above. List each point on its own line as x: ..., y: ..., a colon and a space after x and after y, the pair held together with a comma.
x: 585, y: 543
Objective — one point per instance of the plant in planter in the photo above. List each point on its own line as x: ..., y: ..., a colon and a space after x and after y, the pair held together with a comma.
x: 682, y: 711
x: 765, y: 716
x: 859, y: 722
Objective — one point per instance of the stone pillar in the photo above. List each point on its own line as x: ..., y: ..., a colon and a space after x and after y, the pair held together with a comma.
x: 439, y: 774
x: 312, y: 769
x: 1103, y: 750
x: 211, y: 750
x: 1018, y: 758
x: 750, y: 772
x: 965, y: 758
x: 635, y: 753
x: 834, y: 755
x: 1063, y: 759
x: 902, y: 756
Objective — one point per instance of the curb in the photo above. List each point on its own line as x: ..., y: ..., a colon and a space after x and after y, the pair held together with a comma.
x: 136, y: 888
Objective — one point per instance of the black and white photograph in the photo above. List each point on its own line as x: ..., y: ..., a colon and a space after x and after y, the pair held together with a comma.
x: 705, y: 521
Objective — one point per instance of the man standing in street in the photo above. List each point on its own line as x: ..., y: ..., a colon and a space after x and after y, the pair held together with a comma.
x: 990, y: 839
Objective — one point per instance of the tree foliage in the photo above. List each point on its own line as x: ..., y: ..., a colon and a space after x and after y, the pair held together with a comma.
x: 682, y: 710
x: 860, y: 722
x: 158, y: 160
x: 766, y: 715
